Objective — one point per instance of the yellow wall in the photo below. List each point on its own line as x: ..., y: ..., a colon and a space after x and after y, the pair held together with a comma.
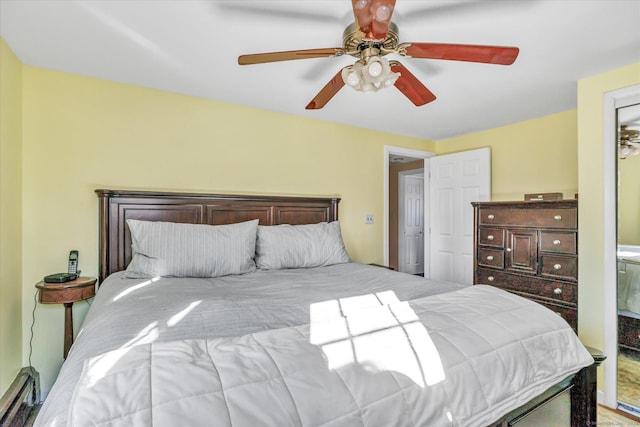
x: 591, y: 189
x: 533, y: 156
x: 10, y: 215
x: 629, y: 201
x: 83, y: 133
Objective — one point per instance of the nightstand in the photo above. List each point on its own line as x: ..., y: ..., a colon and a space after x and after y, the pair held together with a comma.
x: 67, y: 293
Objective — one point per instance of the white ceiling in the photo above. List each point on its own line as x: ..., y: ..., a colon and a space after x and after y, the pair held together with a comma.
x: 191, y: 47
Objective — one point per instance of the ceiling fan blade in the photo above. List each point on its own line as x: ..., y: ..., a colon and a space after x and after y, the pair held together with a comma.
x: 410, y: 86
x: 327, y: 92
x: 503, y: 55
x: 261, y: 58
x: 373, y: 17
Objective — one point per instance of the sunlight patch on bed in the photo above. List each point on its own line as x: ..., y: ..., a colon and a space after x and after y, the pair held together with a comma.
x: 378, y: 332
x: 100, y: 366
x: 176, y: 318
x: 136, y: 287
x: 147, y: 335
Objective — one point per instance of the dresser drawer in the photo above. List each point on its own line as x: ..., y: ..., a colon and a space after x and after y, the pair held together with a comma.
x: 570, y: 315
x: 491, y: 237
x: 556, y: 266
x: 551, y: 289
x: 559, y: 242
x: 491, y: 257
x: 542, y: 217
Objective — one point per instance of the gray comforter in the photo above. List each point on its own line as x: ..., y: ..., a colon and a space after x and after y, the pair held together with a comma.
x: 283, y: 307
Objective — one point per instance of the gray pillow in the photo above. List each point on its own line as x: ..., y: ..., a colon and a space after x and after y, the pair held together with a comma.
x: 300, y: 246
x: 191, y: 250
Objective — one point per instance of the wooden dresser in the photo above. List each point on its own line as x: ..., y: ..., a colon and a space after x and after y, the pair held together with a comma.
x: 530, y: 249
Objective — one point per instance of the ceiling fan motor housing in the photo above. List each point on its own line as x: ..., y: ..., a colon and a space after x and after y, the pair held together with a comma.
x: 356, y: 45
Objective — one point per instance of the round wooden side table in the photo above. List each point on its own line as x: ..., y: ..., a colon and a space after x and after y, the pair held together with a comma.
x: 67, y: 293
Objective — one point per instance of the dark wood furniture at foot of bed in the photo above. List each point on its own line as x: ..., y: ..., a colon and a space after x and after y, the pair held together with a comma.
x: 578, y: 392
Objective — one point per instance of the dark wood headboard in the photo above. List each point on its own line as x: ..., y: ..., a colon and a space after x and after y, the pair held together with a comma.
x: 195, y: 208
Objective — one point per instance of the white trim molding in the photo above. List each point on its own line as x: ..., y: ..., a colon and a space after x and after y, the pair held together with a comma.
x: 612, y: 101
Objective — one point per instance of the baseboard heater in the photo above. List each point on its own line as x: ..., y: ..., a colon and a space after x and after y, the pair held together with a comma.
x: 20, y: 403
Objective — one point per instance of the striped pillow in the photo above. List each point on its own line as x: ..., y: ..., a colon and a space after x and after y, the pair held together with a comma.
x: 300, y: 246
x: 191, y: 250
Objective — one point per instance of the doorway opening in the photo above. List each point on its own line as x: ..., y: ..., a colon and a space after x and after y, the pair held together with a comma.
x: 409, y: 226
x: 409, y: 163
x: 450, y: 183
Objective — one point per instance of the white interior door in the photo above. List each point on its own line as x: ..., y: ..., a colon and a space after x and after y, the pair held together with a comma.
x: 456, y: 181
x: 411, y: 222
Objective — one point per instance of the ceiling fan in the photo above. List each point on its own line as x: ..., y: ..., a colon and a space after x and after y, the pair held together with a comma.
x: 370, y: 38
x: 629, y: 144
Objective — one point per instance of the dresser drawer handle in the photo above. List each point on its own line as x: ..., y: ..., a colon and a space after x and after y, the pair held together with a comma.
x: 556, y: 242
x: 491, y: 216
x: 557, y: 217
x: 490, y: 237
x: 490, y: 258
x: 557, y: 291
x: 557, y: 266
x: 491, y: 278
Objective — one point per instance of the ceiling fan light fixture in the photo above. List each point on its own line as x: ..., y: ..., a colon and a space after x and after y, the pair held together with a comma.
x: 351, y: 78
x: 370, y: 76
x: 624, y: 151
x: 360, y: 4
x: 383, y: 13
x: 629, y: 142
x: 627, y: 150
x: 352, y: 75
x: 374, y: 68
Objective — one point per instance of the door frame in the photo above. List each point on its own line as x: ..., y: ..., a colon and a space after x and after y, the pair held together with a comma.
x: 408, y: 152
x: 612, y: 100
x: 402, y: 176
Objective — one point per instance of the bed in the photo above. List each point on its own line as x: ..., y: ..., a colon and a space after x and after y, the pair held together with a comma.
x: 293, y: 343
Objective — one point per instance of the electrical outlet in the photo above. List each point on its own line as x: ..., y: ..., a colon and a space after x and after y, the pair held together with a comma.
x: 368, y: 218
